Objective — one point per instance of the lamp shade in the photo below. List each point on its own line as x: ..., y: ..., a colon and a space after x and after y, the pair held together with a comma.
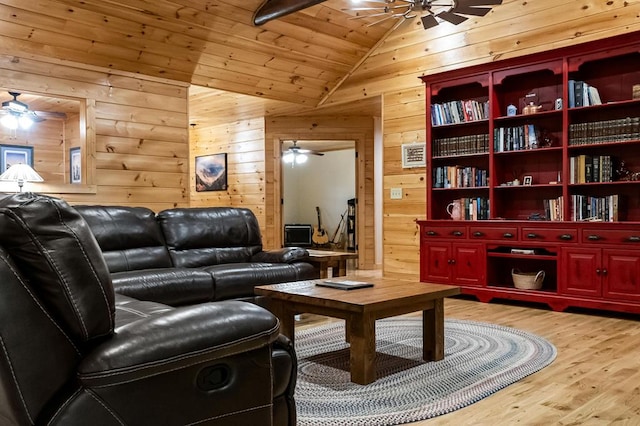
x: 21, y: 173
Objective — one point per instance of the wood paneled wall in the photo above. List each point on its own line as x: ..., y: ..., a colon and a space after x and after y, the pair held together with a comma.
x: 510, y: 30
x: 137, y: 131
x: 243, y: 141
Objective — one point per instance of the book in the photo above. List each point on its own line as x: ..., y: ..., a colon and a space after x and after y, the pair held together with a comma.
x: 344, y: 284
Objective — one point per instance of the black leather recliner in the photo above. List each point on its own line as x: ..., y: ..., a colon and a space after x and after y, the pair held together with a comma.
x: 75, y: 353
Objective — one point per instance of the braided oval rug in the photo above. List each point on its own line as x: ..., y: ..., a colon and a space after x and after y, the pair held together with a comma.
x: 480, y: 359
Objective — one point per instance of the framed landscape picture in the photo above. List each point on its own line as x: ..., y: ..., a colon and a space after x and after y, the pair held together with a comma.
x: 211, y: 172
x: 75, y: 165
x: 15, y: 154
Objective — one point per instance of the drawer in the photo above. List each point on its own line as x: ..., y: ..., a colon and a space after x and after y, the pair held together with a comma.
x: 444, y: 232
x: 491, y: 233
x: 550, y: 235
x: 617, y: 236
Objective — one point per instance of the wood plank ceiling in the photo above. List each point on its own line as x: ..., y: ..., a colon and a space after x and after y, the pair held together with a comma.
x: 298, y: 59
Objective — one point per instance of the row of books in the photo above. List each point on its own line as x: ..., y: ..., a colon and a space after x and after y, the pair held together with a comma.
x: 459, y: 177
x: 585, y: 208
x: 554, y: 208
x: 454, y: 112
x: 582, y: 94
x: 590, y: 168
x: 618, y: 130
x: 459, y: 145
x: 516, y: 138
x: 475, y: 208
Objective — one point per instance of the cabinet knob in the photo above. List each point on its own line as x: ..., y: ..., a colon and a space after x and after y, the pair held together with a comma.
x: 634, y: 239
x: 478, y: 234
x: 565, y: 237
x: 453, y: 261
x: 431, y: 233
x: 507, y: 235
x: 457, y: 233
x: 604, y: 271
x: 532, y: 235
x: 597, y: 271
x: 593, y: 237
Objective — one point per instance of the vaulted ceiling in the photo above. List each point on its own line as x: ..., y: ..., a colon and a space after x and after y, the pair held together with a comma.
x: 297, y: 62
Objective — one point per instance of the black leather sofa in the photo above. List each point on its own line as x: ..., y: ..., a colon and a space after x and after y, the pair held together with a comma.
x: 74, y: 352
x: 190, y: 255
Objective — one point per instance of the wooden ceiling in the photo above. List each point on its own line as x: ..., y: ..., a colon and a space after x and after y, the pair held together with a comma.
x: 318, y: 57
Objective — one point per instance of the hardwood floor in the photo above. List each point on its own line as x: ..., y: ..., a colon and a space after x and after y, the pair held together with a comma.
x: 595, y: 379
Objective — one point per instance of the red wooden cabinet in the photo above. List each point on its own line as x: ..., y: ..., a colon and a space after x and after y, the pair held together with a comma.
x: 555, y: 190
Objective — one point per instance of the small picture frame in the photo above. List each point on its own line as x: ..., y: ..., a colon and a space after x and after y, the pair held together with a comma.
x: 211, y: 172
x: 527, y: 180
x: 15, y: 154
x: 75, y: 165
x: 414, y: 155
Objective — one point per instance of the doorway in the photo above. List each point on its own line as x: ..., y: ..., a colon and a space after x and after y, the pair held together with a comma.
x: 317, y: 191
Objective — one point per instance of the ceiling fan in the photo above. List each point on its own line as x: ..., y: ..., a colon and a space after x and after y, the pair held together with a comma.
x: 431, y: 12
x: 296, y: 155
x: 18, y: 113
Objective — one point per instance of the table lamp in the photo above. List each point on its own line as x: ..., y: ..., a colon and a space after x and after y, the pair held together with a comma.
x: 21, y: 173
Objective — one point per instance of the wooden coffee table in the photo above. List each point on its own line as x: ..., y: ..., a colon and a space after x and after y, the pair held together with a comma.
x: 360, y: 308
x: 336, y: 260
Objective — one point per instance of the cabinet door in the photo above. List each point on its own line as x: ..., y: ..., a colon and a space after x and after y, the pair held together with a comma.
x: 581, y: 270
x: 621, y: 274
x: 437, y: 265
x: 468, y: 264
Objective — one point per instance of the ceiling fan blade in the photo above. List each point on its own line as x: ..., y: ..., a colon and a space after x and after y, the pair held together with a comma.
x: 49, y: 115
x: 428, y: 21
x: 478, y: 2
x: 466, y: 10
x: 384, y: 19
x: 452, y: 17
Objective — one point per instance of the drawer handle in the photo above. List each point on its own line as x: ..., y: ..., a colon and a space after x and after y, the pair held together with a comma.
x: 566, y: 237
x: 532, y: 235
x: 634, y: 239
x: 478, y: 234
x: 507, y: 235
x: 432, y: 233
x: 457, y: 233
x: 594, y: 238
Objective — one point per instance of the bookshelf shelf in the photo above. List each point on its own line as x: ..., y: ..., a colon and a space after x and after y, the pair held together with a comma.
x: 577, y: 148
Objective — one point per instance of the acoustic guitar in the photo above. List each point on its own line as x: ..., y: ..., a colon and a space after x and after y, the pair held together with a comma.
x: 319, y: 236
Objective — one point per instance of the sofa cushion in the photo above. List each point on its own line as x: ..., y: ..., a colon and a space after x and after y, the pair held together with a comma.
x: 210, y: 235
x: 237, y: 280
x: 54, y: 248
x: 172, y: 286
x: 129, y: 237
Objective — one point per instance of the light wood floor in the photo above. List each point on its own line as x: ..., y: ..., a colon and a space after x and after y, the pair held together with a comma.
x: 595, y: 379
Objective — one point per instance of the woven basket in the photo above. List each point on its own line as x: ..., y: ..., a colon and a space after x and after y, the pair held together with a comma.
x: 527, y: 280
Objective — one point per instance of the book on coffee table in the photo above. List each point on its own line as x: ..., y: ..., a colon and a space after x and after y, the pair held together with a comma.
x: 344, y: 284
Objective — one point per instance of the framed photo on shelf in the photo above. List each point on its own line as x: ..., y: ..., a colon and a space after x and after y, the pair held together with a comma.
x: 75, y: 165
x: 414, y: 155
x: 211, y: 172
x: 527, y: 180
x: 15, y: 154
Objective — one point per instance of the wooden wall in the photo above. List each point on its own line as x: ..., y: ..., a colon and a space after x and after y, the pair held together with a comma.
x: 510, y: 30
x: 137, y: 132
x: 243, y: 141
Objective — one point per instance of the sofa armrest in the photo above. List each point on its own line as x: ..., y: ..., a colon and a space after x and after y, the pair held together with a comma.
x: 178, y: 339
x: 283, y: 255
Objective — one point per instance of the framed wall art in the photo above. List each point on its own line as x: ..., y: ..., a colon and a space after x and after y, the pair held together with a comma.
x: 211, y: 172
x: 75, y: 165
x: 414, y: 155
x: 15, y: 154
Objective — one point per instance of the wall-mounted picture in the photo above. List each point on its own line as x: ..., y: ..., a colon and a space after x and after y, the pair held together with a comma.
x: 527, y: 180
x: 75, y: 165
x: 211, y: 172
x: 414, y: 155
x: 15, y: 154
